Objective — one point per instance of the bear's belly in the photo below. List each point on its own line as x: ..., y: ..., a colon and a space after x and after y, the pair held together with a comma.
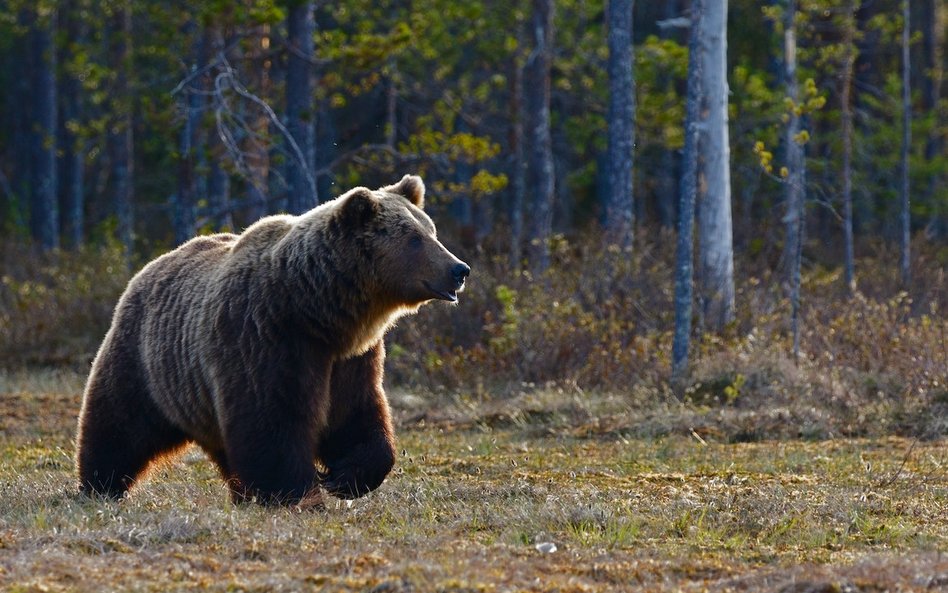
x: 190, y: 407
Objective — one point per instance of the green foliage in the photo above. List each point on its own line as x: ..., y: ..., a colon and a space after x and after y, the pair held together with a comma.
x: 811, y: 103
x: 661, y: 67
x: 447, y: 66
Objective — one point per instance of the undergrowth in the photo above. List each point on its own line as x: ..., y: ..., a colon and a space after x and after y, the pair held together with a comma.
x: 874, y: 362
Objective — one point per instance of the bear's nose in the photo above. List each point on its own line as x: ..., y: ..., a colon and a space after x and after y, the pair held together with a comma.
x: 460, y: 272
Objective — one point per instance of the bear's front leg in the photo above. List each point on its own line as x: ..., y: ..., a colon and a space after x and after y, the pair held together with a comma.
x: 358, y: 449
x: 270, y: 435
x: 269, y: 464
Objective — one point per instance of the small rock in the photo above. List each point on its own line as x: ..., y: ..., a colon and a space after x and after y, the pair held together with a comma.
x: 546, y: 547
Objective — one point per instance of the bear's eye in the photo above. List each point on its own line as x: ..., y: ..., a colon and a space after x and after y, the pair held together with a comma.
x: 415, y: 242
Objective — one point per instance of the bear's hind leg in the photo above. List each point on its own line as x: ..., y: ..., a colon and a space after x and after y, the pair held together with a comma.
x: 120, y: 432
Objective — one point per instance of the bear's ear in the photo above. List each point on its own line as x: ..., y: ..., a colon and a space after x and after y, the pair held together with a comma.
x: 411, y: 187
x: 359, y: 206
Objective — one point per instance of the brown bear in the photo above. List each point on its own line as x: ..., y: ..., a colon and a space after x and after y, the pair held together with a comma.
x: 266, y: 349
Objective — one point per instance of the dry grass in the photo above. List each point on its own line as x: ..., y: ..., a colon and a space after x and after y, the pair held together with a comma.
x: 478, y: 486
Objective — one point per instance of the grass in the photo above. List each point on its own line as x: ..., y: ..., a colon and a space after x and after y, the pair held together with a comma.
x: 476, y: 490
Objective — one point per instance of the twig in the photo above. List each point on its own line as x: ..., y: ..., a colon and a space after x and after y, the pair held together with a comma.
x: 203, y: 70
x: 891, y: 479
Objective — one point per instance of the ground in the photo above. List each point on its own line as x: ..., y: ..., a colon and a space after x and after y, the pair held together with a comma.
x: 480, y: 493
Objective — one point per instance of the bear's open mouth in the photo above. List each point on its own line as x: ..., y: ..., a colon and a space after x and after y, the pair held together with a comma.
x: 444, y: 295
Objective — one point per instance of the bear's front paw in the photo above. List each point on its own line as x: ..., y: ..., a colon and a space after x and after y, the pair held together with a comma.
x: 361, y: 470
x: 345, y: 483
x: 349, y: 482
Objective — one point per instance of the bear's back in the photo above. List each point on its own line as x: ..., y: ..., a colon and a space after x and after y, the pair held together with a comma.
x: 168, y: 299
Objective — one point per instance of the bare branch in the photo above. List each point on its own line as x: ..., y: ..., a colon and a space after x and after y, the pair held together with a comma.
x: 680, y: 22
x: 235, y: 84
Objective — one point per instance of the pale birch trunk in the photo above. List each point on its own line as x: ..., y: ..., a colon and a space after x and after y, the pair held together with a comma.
x: 715, y: 235
x: 795, y: 177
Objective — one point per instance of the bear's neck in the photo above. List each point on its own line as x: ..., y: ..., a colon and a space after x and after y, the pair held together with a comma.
x: 332, y: 303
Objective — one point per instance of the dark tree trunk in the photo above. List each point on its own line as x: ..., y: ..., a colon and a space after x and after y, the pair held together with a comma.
x: 44, y: 207
x: 256, y: 151
x: 184, y: 215
x: 391, y: 105
x: 218, y: 192
x: 462, y: 206
x: 218, y: 176
x: 905, y: 269
x: 667, y: 192
x: 121, y: 143
x: 300, y: 163
x: 22, y: 121
x: 326, y: 142
x: 72, y: 160
x: 621, y: 124
x: 684, y: 253
x: 846, y: 116
x: 518, y: 163
x: 933, y: 40
x: 537, y: 101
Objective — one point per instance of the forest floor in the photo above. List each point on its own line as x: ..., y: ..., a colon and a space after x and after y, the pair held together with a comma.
x: 487, y: 501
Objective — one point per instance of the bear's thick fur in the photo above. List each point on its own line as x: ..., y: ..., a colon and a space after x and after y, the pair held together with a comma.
x: 265, y: 349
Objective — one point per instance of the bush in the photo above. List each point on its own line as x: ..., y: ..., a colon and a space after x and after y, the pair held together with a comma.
x: 55, y: 307
x: 599, y: 322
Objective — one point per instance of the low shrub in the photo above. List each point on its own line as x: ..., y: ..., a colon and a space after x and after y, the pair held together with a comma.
x: 598, y: 322
x: 55, y: 307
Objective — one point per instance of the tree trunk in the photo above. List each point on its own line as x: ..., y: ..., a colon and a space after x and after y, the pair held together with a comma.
x: 391, y: 104
x: 462, y: 206
x: 300, y: 163
x: 621, y: 124
x: 518, y: 163
x: 326, y: 140
x: 218, y: 192
x: 905, y: 243
x: 44, y: 207
x: 184, y: 216
x: 72, y: 161
x: 256, y: 151
x: 667, y: 192
x: 684, y: 254
x: 537, y: 100
x: 933, y: 43
x: 715, y: 234
x: 21, y: 121
x: 218, y: 177
x: 121, y: 143
x: 794, y: 218
x: 846, y: 116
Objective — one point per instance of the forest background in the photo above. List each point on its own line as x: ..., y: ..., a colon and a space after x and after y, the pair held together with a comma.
x: 129, y: 126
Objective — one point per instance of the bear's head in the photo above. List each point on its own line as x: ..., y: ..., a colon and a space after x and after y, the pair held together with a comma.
x: 410, y: 265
